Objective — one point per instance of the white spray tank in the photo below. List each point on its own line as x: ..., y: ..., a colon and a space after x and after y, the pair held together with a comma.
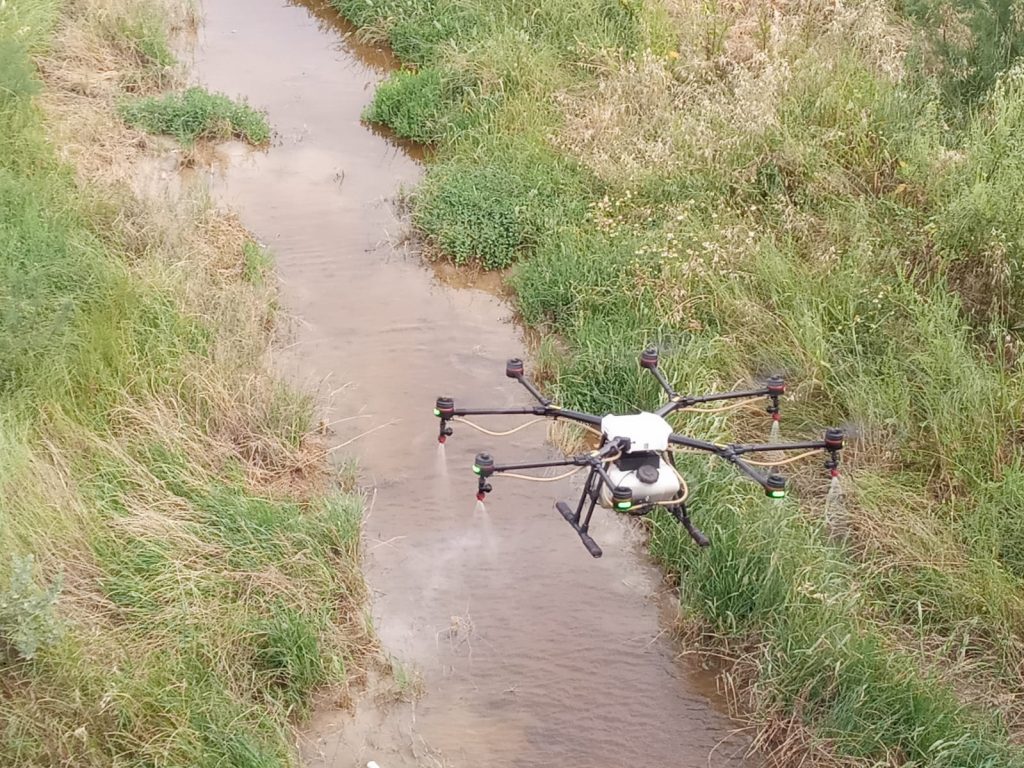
x: 642, y: 469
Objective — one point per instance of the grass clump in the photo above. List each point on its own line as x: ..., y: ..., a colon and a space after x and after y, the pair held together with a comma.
x: 494, y: 212
x: 257, y: 263
x: 27, y: 619
x: 197, y: 114
x: 426, y: 106
x: 824, y: 191
x: 180, y: 570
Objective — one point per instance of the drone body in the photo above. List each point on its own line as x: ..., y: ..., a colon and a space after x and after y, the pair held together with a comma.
x: 633, y: 469
x: 643, y: 468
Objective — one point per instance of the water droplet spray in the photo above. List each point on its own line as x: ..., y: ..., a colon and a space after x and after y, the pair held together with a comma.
x: 835, y: 508
x: 441, y: 462
x: 776, y: 389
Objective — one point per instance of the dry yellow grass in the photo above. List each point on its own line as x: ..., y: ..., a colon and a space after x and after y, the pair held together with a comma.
x: 722, y: 85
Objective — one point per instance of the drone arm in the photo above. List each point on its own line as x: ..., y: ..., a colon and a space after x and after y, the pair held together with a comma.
x: 445, y: 410
x: 832, y: 444
x: 552, y: 411
x: 514, y: 369
x: 595, y: 459
x: 773, y: 389
x: 534, y: 391
x: 730, y: 453
x: 572, y: 461
x: 649, y: 360
x: 691, y: 442
x: 577, y: 416
x: 729, y: 395
x: 774, y: 484
x: 687, y: 401
x: 535, y: 410
x: 484, y: 467
x: 663, y: 381
x: 809, y: 445
x: 754, y: 474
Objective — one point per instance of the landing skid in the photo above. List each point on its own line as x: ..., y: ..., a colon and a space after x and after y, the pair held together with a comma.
x: 580, y: 522
x: 573, y: 519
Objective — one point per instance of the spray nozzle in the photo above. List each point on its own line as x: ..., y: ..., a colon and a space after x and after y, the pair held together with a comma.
x: 444, y: 409
x: 776, y: 387
x: 834, y: 439
x: 483, y: 467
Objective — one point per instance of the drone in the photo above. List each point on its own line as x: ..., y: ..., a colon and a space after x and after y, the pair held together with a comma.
x: 633, y: 468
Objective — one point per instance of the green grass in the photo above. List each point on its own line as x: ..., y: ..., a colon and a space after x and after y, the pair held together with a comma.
x: 495, y: 211
x: 257, y: 263
x: 177, y: 578
x: 197, y: 114
x: 971, y: 44
x: 818, y: 206
x: 139, y: 33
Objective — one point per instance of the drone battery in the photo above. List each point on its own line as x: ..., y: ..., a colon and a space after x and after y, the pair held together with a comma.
x: 646, y: 475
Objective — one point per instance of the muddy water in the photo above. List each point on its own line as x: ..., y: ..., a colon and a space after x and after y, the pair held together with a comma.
x: 531, y: 653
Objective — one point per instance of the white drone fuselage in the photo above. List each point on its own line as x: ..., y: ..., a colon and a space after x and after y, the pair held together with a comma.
x: 642, y: 469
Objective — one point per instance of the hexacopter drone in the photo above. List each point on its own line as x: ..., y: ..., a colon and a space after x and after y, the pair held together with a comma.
x: 633, y: 469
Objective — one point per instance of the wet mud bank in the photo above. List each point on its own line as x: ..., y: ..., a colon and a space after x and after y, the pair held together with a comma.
x: 528, y: 651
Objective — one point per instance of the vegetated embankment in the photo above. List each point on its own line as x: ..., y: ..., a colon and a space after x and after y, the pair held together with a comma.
x: 179, y: 570
x: 827, y: 190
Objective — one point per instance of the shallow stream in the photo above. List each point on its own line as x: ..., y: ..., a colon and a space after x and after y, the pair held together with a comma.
x: 529, y: 652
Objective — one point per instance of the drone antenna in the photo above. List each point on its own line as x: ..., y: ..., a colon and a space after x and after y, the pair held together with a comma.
x: 649, y: 360
x: 514, y: 370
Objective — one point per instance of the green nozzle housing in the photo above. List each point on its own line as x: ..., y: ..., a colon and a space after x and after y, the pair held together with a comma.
x: 775, y: 486
x: 622, y: 498
x: 483, y: 465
